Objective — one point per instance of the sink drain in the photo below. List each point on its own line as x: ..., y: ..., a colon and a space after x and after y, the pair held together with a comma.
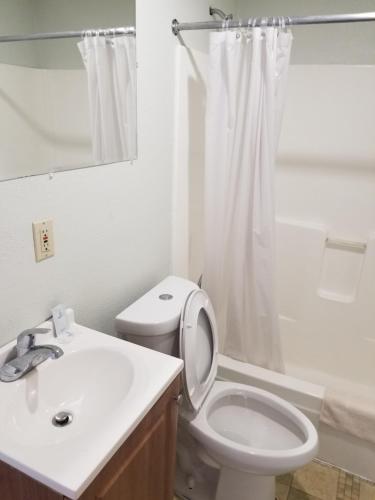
x: 62, y: 419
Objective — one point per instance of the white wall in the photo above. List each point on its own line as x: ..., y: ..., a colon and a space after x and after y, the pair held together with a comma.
x: 321, y: 44
x: 188, y: 179
x: 17, y: 17
x: 112, y: 223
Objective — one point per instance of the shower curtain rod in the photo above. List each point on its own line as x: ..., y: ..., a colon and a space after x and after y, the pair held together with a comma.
x: 273, y: 20
x: 130, y: 30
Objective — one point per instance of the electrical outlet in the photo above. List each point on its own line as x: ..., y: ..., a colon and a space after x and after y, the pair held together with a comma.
x: 43, y: 240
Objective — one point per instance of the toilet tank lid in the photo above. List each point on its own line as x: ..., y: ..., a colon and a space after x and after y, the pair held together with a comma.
x: 158, y: 311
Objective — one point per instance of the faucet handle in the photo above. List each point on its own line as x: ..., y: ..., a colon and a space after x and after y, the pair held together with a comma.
x: 26, y: 339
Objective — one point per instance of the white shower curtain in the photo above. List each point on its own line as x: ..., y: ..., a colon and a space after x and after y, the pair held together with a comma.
x: 110, y: 64
x: 245, y: 98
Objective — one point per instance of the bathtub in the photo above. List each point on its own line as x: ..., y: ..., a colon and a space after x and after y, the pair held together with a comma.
x: 306, y: 390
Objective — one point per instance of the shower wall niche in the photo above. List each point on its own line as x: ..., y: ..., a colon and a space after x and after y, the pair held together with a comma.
x: 342, y: 264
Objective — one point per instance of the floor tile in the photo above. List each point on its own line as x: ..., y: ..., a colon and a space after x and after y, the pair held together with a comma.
x: 285, y: 479
x: 366, y: 491
x: 317, y: 480
x: 282, y: 491
x: 348, y: 486
x: 299, y: 495
x: 356, y: 488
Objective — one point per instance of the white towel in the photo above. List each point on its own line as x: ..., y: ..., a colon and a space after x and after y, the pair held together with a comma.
x: 350, y: 413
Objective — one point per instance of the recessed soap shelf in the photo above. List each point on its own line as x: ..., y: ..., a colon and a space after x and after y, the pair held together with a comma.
x: 341, y: 269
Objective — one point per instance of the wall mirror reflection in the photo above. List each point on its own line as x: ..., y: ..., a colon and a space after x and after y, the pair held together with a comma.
x: 68, y: 94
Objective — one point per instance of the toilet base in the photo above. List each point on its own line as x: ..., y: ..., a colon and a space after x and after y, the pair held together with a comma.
x: 237, y: 485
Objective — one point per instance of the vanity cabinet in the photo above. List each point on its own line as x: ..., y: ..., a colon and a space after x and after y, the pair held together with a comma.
x: 142, y: 469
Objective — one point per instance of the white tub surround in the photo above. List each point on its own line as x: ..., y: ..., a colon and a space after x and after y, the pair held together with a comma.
x: 306, y: 396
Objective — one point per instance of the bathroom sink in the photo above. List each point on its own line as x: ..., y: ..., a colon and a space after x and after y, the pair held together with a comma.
x: 84, y: 384
x: 102, y: 387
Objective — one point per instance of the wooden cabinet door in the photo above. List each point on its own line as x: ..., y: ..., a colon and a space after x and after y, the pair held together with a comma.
x: 143, y: 468
x: 14, y: 485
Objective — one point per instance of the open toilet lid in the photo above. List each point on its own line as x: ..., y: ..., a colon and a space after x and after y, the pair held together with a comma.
x: 198, y: 348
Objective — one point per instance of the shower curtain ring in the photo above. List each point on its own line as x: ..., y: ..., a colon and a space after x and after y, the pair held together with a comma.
x: 225, y: 24
x: 238, y: 33
x: 248, y: 31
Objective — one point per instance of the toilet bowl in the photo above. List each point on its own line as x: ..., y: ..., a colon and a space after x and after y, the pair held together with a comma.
x: 253, y: 430
x: 254, y: 436
x: 251, y: 434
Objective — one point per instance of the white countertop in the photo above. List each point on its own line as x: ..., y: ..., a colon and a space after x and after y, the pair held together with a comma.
x: 124, y: 380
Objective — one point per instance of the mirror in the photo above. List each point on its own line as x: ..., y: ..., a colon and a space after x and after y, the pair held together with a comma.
x: 66, y: 103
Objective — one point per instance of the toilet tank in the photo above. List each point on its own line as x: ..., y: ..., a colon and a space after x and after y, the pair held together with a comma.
x: 153, y: 320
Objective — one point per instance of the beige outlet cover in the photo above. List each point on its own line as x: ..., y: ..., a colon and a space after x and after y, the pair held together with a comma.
x: 43, y: 239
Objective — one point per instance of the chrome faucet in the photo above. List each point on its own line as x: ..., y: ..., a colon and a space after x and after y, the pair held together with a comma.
x: 29, y: 355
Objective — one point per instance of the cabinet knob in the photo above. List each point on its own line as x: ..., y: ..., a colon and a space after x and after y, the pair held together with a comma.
x: 178, y: 399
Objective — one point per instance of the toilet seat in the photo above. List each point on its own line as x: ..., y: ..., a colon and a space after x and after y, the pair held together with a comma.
x: 198, y: 348
x: 253, y: 430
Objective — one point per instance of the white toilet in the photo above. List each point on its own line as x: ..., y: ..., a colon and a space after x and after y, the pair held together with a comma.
x: 249, y: 434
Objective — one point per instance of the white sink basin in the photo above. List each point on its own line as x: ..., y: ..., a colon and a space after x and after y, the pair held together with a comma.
x: 106, y: 384
x: 84, y: 383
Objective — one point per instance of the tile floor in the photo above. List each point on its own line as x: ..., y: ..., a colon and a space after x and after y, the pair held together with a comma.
x: 319, y: 481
